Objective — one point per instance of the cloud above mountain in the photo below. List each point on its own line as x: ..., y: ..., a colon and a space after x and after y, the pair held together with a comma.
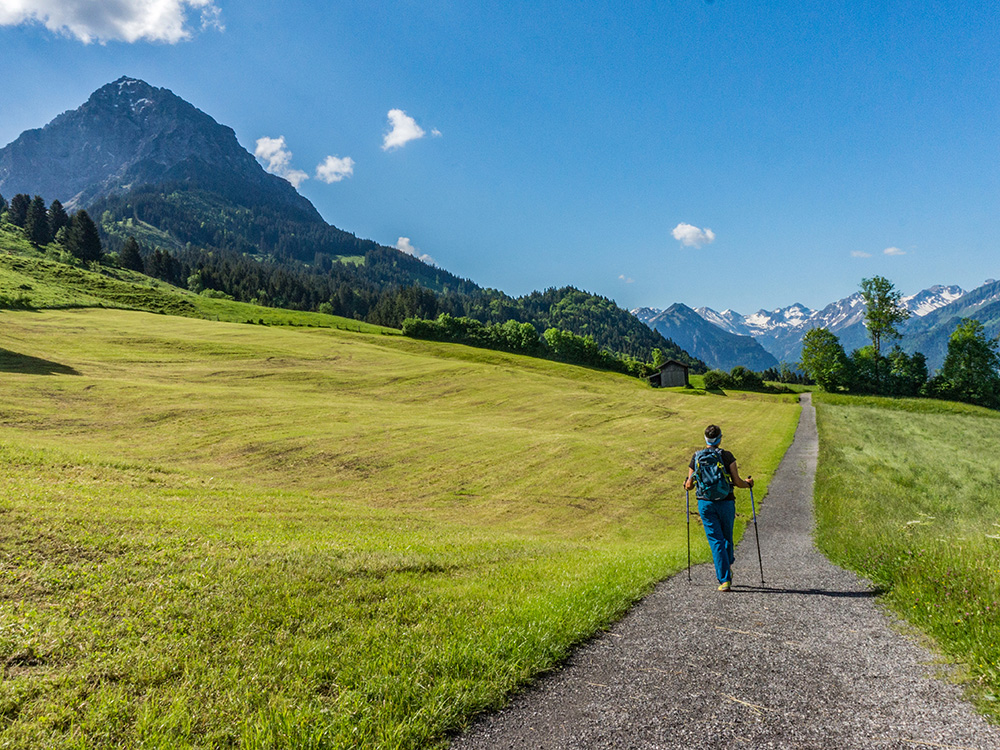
x: 691, y: 236
x: 893, y: 251
x: 276, y: 158
x: 335, y: 169
x: 122, y: 20
x: 403, y: 244
x: 273, y: 153
x: 402, y: 130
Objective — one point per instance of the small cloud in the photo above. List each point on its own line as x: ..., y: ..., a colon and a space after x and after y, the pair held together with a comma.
x: 893, y: 251
x: 123, y: 20
x: 276, y: 158
x: 335, y: 169
x: 436, y: 133
x: 692, y: 236
x: 626, y: 279
x: 402, y: 130
x: 860, y: 254
x: 403, y: 244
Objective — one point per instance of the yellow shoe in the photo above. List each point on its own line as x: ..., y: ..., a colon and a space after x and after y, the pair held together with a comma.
x: 725, y: 586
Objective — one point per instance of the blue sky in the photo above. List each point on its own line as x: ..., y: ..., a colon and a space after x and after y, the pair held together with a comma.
x: 580, y: 143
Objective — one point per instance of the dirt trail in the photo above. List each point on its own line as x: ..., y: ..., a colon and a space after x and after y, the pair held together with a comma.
x: 807, y: 661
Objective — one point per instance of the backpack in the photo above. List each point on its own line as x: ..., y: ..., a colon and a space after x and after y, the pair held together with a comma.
x: 714, y: 482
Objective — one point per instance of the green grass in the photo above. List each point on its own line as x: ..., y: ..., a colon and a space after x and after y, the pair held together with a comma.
x: 221, y: 535
x: 908, y: 494
x: 37, y: 278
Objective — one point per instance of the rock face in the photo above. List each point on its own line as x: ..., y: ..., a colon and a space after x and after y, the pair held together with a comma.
x: 717, y: 348
x: 934, y: 313
x: 130, y: 134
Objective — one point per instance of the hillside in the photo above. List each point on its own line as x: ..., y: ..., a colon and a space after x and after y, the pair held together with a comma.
x: 719, y: 349
x: 222, y: 534
x: 149, y: 165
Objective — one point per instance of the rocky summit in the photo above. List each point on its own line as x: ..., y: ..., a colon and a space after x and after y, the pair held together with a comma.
x: 128, y: 134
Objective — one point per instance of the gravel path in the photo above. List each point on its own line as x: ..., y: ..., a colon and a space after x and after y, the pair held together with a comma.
x: 807, y: 661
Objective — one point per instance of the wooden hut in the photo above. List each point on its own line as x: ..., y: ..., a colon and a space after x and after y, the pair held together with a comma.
x: 670, y: 375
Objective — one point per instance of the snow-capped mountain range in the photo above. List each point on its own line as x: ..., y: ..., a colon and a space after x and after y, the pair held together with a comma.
x: 780, y: 331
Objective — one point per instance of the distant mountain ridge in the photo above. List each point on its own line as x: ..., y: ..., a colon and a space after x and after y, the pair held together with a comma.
x: 717, y: 348
x: 934, y: 312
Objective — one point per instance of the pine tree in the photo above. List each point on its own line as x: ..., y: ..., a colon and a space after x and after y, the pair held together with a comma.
x: 58, y: 218
x: 36, y: 222
x: 17, y: 214
x: 83, y: 240
x: 3, y: 205
x: 130, y: 257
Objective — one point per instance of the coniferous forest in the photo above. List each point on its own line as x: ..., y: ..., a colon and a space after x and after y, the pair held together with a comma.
x: 303, y: 265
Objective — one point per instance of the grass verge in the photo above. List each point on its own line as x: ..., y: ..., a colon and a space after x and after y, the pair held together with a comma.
x: 908, y: 495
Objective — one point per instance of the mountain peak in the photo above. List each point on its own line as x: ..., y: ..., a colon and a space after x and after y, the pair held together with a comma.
x: 128, y: 134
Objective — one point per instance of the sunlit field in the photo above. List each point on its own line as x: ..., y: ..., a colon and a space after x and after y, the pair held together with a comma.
x: 908, y: 493
x: 217, y: 534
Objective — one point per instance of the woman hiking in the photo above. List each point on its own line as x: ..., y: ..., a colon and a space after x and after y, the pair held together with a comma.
x: 713, y: 471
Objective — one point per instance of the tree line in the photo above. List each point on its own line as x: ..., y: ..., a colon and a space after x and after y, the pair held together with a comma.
x: 523, y: 338
x: 382, y: 286
x: 77, y: 234
x: 969, y: 372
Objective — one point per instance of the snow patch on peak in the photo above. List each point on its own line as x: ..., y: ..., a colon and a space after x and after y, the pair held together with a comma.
x: 929, y: 300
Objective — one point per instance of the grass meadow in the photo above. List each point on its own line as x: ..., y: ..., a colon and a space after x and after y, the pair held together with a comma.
x: 33, y: 278
x: 220, y: 535
x: 908, y: 494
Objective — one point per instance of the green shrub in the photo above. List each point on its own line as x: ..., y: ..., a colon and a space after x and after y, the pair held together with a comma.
x: 717, y: 380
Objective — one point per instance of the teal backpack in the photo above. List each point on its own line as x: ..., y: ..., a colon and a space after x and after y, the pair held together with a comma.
x: 713, y: 480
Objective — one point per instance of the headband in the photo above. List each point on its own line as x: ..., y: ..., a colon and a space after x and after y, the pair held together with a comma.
x: 714, y: 441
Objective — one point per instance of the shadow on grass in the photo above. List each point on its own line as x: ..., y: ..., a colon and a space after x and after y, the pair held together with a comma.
x: 14, y: 362
x: 765, y: 589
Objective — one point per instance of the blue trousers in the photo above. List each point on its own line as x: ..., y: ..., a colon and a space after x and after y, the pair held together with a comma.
x: 718, y: 517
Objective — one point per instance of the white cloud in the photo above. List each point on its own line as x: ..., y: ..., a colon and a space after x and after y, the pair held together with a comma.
x: 691, y: 236
x: 277, y: 159
x: 404, y: 244
x: 893, y: 251
x: 626, y: 279
x: 334, y: 169
x: 436, y: 133
x: 860, y: 254
x: 402, y: 130
x: 117, y: 20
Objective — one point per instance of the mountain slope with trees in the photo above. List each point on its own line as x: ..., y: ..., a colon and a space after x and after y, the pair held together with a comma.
x: 165, y: 182
x: 717, y: 348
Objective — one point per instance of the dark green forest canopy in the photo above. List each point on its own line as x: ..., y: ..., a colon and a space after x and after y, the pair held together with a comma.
x: 205, y: 239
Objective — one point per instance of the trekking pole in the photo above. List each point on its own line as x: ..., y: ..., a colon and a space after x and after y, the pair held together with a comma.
x: 756, y: 534
x: 687, y: 512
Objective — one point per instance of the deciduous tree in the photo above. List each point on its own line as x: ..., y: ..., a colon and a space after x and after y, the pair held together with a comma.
x: 883, y: 313
x: 970, y: 368
x: 824, y: 359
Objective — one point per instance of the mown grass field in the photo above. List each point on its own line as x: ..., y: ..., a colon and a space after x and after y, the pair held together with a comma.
x: 908, y: 494
x: 216, y: 534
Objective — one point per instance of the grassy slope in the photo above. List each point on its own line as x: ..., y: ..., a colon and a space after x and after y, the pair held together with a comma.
x: 216, y: 534
x: 908, y: 493
x: 43, y: 282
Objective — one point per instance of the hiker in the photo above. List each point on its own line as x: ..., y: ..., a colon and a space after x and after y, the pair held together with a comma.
x: 713, y: 471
